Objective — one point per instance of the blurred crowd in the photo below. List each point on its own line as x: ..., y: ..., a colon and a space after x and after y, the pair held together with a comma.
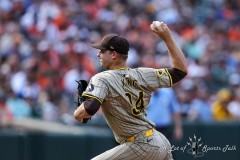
x: 45, y: 45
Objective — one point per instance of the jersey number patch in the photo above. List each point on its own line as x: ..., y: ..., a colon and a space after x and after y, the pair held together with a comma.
x: 139, y: 104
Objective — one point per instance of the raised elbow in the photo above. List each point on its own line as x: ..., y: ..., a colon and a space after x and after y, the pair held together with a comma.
x: 185, y: 70
x: 177, y: 74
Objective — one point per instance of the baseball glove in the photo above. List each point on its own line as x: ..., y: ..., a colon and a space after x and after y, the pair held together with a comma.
x: 82, y: 85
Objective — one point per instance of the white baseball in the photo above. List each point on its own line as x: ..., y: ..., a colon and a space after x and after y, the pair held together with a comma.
x: 157, y: 24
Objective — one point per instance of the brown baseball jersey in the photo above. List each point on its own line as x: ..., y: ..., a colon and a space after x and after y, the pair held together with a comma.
x: 124, y: 95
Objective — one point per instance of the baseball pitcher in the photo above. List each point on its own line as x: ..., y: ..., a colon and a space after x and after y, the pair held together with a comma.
x: 123, y: 94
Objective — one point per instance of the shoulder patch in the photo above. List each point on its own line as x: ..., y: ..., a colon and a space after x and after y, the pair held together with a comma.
x: 160, y: 73
x: 90, y: 87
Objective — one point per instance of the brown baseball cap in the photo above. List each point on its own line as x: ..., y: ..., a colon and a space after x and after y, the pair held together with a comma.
x: 113, y: 42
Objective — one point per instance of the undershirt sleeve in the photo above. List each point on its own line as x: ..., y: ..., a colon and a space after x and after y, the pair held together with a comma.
x: 176, y: 74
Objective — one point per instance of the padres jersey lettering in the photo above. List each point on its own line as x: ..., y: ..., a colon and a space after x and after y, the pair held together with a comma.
x: 124, y: 95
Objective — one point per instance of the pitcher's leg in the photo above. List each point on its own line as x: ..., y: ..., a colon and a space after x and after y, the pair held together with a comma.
x: 131, y: 151
x: 167, y: 147
x: 155, y: 147
x: 115, y: 153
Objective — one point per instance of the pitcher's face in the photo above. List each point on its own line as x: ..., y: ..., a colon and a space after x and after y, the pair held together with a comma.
x: 105, y: 58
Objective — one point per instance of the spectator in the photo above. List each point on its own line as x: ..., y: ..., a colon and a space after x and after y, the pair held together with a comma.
x: 18, y: 106
x: 234, y: 105
x: 185, y: 94
x: 200, y: 109
x: 48, y: 109
x: 5, y: 113
x: 219, y: 107
x: 166, y: 114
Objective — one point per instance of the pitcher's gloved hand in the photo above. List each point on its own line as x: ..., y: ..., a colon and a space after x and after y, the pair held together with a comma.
x: 82, y: 85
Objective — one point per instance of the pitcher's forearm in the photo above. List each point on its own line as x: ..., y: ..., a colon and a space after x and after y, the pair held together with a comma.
x: 80, y: 113
x: 176, y: 55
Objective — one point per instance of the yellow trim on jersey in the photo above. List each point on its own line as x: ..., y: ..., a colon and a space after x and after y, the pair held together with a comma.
x: 131, y: 139
x: 170, y: 77
x: 148, y: 133
x: 91, y: 96
x: 121, y: 68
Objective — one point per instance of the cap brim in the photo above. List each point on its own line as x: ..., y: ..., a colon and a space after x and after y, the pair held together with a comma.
x: 98, y: 46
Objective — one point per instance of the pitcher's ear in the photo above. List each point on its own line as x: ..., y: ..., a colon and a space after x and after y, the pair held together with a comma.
x: 114, y: 54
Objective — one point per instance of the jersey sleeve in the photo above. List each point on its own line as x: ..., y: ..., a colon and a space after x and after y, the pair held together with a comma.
x: 157, y: 78
x: 97, y: 88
